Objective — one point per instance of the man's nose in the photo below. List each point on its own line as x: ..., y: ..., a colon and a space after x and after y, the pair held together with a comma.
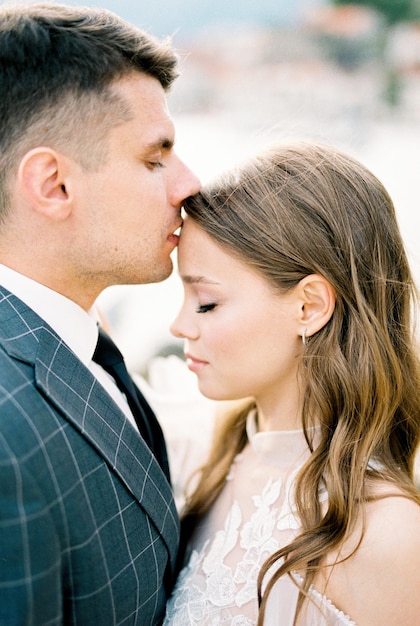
x: 184, y: 184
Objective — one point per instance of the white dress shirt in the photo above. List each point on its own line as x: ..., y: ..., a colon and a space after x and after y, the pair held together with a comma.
x: 77, y: 328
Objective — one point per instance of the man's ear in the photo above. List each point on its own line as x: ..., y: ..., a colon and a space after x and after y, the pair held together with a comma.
x: 317, y: 298
x: 42, y: 181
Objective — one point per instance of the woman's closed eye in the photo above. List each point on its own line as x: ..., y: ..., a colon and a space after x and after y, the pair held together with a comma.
x: 205, y: 308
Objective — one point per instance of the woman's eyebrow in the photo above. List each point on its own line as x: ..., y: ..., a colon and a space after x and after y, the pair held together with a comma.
x: 191, y: 279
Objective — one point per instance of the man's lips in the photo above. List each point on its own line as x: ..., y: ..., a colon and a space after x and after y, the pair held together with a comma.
x: 173, y: 238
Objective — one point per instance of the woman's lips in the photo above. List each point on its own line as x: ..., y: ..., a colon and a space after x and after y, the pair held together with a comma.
x: 193, y: 364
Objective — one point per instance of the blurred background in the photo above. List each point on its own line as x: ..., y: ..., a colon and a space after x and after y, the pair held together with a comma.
x: 254, y: 73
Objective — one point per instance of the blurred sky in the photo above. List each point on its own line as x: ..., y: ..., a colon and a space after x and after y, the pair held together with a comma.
x: 182, y: 18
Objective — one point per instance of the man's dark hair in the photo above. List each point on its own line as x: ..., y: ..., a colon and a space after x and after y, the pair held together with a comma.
x: 57, y: 68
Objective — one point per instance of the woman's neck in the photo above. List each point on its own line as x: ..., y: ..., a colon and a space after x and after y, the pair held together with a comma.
x: 279, y: 416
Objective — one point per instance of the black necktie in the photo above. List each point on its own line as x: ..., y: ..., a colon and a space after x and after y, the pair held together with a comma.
x: 108, y: 356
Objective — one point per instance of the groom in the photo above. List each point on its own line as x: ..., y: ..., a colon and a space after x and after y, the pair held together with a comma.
x: 90, y: 196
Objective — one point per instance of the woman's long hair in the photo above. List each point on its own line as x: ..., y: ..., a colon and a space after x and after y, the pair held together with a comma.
x: 294, y: 211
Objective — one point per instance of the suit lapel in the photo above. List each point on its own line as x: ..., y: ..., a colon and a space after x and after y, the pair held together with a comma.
x: 82, y: 400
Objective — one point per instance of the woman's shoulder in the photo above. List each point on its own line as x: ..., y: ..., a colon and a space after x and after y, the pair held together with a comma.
x: 392, y: 519
x: 376, y: 575
x: 389, y: 529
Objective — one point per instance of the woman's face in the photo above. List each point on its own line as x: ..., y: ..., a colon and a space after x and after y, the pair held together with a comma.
x: 241, y: 336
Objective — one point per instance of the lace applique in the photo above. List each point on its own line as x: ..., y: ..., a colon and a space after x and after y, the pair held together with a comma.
x: 197, y: 601
x: 208, y: 590
x: 218, y: 585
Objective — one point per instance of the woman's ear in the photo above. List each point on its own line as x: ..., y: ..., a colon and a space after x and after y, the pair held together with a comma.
x: 317, y: 299
x: 42, y: 181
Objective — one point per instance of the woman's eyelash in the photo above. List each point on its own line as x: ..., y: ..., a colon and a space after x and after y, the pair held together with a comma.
x: 204, y: 308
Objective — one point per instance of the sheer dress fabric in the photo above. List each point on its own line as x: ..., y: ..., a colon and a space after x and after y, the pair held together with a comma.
x: 254, y: 516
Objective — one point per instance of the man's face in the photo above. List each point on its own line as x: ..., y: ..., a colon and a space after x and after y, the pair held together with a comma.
x: 129, y: 208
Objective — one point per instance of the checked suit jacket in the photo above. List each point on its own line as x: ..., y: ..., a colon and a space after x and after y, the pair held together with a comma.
x: 88, y: 526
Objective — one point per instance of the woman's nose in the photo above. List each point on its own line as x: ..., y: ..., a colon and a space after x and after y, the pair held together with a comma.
x: 175, y: 329
x: 183, y: 327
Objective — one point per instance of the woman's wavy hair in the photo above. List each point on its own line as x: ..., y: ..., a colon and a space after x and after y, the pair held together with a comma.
x: 303, y: 209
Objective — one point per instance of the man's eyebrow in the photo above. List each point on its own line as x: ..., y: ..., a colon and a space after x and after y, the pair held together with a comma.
x: 163, y: 143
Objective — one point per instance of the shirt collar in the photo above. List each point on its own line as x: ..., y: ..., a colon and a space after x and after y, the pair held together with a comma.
x: 77, y: 328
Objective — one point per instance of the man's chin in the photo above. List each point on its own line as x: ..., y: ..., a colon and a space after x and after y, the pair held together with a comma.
x: 159, y: 275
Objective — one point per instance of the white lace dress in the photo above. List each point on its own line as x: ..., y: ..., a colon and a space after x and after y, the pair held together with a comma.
x: 253, y: 518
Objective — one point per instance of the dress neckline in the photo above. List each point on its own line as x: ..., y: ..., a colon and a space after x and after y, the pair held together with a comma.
x: 282, y: 448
